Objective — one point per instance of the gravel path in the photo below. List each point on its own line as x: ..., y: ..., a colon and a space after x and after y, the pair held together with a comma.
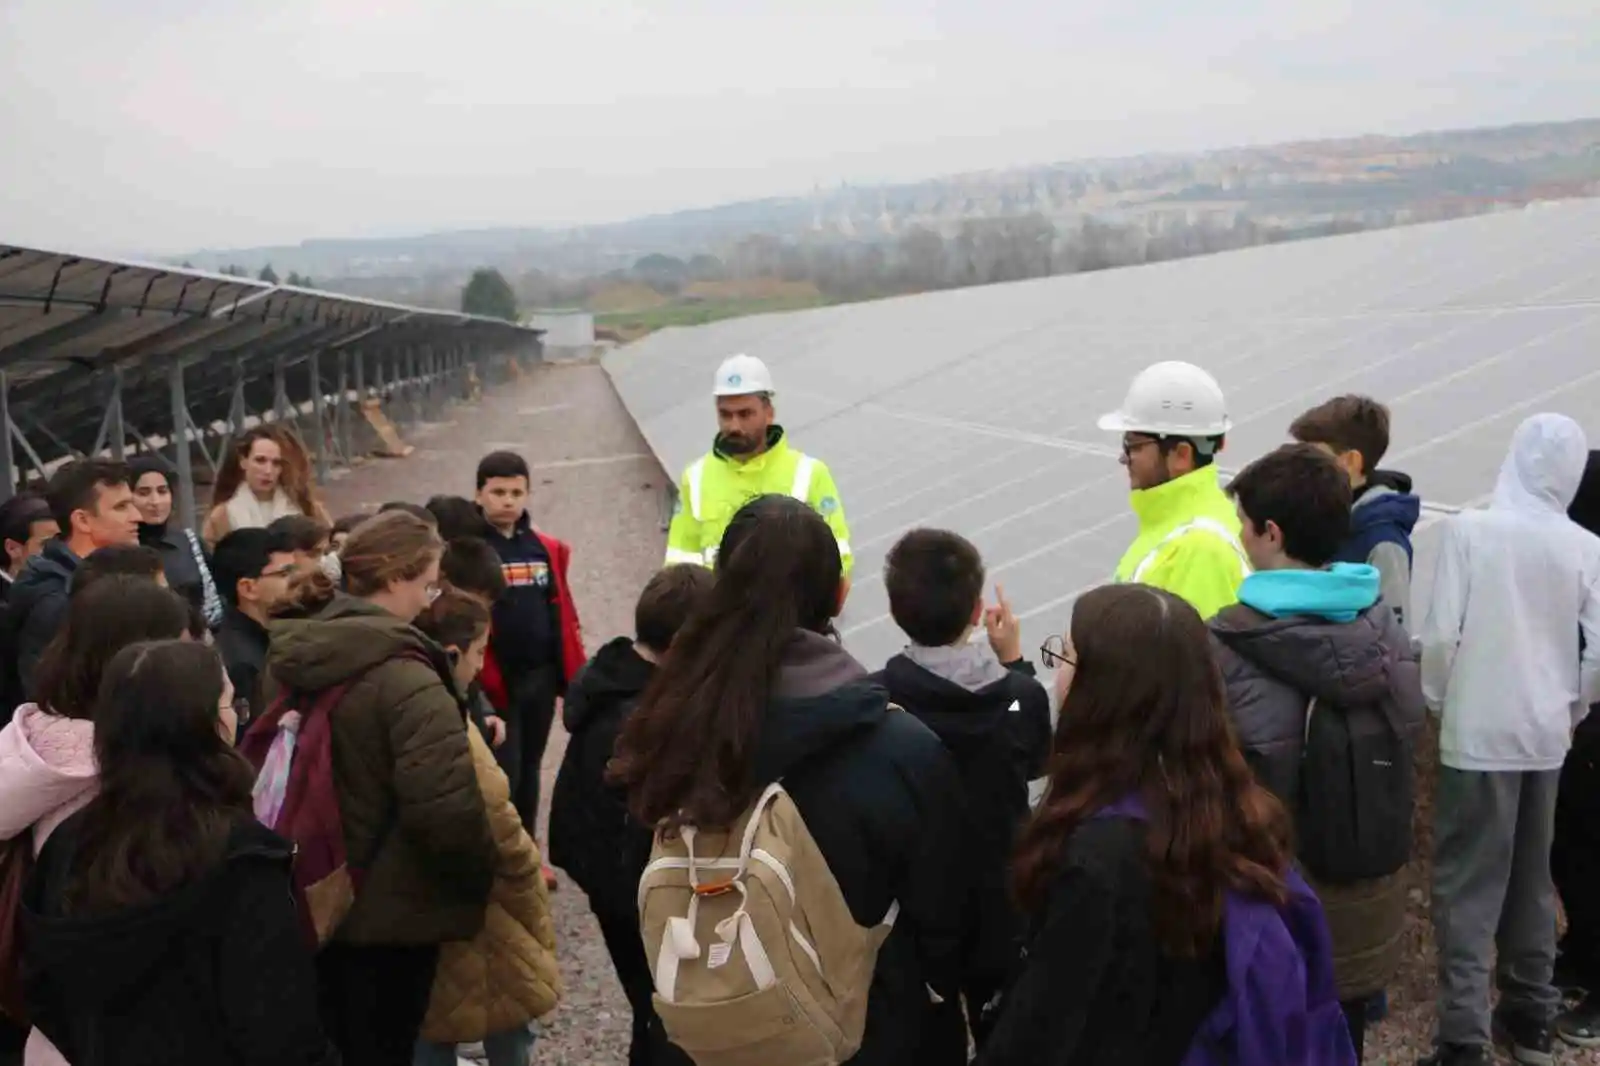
x: 597, y: 486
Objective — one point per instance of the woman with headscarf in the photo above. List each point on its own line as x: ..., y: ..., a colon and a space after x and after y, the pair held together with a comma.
x: 266, y: 475
x: 182, y: 558
x: 1575, y: 851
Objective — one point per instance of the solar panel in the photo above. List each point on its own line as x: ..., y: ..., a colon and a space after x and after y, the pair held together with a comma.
x: 974, y: 409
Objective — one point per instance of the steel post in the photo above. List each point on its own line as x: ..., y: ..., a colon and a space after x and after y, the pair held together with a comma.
x: 180, y: 440
x: 412, y: 396
x: 319, y: 414
x: 341, y: 413
x: 8, y: 466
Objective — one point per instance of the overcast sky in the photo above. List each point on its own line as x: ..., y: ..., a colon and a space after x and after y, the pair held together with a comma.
x: 162, y: 125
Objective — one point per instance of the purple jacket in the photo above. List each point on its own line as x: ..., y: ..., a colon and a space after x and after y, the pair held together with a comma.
x: 1281, y: 1006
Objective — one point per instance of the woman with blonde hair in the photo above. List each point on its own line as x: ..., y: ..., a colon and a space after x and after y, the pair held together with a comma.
x: 491, y: 987
x: 266, y: 475
x: 415, y: 832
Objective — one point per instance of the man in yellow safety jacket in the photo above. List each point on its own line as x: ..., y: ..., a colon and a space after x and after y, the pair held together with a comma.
x: 1172, y: 423
x: 750, y: 457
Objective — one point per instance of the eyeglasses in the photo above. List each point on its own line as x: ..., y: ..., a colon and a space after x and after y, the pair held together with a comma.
x: 1131, y: 446
x: 1054, y: 654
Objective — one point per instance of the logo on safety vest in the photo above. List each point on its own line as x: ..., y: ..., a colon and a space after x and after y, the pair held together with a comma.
x: 828, y: 505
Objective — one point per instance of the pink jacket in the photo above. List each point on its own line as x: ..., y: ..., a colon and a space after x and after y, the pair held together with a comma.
x: 47, y: 772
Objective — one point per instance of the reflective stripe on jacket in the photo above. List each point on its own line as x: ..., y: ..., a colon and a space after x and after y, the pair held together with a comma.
x: 1188, y: 542
x: 715, y: 486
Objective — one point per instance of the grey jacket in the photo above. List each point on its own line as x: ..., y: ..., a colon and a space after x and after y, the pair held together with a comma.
x: 1272, y: 667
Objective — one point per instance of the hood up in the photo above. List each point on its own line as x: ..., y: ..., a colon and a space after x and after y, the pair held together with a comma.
x: 1542, y: 470
x: 1585, y: 509
x: 615, y: 675
x: 103, y: 958
x: 346, y: 638
x: 960, y: 693
x: 1313, y: 629
x: 823, y: 698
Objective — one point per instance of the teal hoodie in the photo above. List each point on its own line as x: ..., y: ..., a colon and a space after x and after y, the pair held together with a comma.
x: 1338, y: 593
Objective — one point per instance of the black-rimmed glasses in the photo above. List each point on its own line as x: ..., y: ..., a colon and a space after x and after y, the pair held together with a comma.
x: 1054, y: 655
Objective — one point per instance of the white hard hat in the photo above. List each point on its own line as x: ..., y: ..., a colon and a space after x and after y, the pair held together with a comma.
x: 1171, y: 400
x: 742, y: 375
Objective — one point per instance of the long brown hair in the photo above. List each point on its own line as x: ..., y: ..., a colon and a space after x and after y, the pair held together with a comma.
x: 685, y: 755
x: 296, y: 479
x: 102, y: 619
x: 171, y: 788
x: 394, y: 546
x: 1146, y: 717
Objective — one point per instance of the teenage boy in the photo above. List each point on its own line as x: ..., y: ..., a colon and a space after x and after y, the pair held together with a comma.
x: 991, y: 713
x: 1355, y: 431
x: 592, y: 836
x: 1510, y: 662
x: 93, y: 507
x: 1307, y: 627
x: 251, y: 568
x: 536, y: 641
x: 309, y: 538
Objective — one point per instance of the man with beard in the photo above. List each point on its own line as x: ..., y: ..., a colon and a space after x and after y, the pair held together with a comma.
x: 750, y: 457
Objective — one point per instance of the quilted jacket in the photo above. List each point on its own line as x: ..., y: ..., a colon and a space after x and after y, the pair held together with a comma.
x: 505, y: 976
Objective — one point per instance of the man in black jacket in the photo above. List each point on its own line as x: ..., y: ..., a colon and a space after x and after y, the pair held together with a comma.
x: 992, y: 715
x: 592, y: 836
x: 93, y: 505
x: 251, y: 568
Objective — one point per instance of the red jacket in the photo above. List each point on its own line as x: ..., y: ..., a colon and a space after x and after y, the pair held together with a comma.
x: 572, y: 654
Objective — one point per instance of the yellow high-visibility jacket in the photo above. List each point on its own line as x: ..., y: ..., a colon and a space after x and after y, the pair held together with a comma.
x: 716, y: 485
x: 1188, y: 542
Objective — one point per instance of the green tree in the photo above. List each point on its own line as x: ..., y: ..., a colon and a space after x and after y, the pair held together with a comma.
x: 488, y: 293
x: 268, y: 275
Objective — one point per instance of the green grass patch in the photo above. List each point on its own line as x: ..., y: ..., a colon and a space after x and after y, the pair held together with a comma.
x: 698, y: 313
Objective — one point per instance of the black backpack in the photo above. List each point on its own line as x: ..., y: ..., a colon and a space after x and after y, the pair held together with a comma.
x: 1357, y: 791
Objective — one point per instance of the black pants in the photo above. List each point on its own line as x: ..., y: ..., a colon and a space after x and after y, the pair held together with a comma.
x: 1575, y: 856
x: 373, y: 998
x: 528, y: 721
x: 1355, y: 1016
x: 650, y: 1046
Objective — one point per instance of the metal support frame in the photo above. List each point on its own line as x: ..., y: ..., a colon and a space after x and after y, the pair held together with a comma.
x: 8, y: 466
x: 280, y: 390
x: 413, y: 400
x: 319, y: 413
x: 180, y: 442
x: 112, y: 431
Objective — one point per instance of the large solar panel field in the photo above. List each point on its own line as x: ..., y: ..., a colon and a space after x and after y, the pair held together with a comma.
x: 974, y: 409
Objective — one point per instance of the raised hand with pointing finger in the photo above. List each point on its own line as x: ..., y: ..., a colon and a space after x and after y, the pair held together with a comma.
x: 1005, y: 634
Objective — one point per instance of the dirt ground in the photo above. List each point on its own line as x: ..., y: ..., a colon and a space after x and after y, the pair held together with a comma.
x: 596, y: 485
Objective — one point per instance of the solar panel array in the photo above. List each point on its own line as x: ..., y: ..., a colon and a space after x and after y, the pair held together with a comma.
x: 82, y: 336
x: 975, y: 409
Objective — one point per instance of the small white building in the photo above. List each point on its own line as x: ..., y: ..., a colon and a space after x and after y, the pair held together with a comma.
x: 568, y: 333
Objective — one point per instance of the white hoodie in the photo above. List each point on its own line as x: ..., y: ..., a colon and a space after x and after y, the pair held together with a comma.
x: 1513, y: 587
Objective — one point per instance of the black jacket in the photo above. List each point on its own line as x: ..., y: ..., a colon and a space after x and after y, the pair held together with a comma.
x: 882, y: 799
x: 38, y: 607
x: 527, y: 624
x: 1095, y: 987
x: 177, y: 560
x: 592, y: 836
x: 242, y: 642
x: 996, y: 723
x: 214, y: 972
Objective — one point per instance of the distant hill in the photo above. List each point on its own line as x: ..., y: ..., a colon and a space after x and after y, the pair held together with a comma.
x: 1367, y: 180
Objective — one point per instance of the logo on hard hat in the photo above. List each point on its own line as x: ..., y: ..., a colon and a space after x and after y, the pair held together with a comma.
x: 734, y: 379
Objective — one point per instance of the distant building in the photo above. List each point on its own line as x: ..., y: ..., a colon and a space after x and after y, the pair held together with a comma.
x: 568, y: 333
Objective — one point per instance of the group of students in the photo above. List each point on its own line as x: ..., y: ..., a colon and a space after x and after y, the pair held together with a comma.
x: 299, y: 829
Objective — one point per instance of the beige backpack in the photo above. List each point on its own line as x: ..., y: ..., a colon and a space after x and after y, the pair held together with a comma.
x: 756, y: 957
